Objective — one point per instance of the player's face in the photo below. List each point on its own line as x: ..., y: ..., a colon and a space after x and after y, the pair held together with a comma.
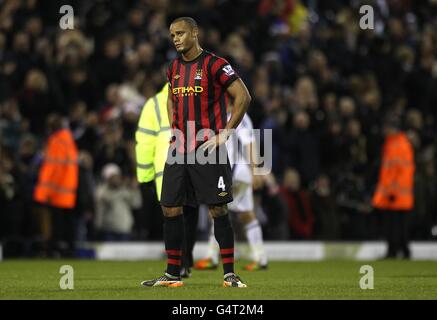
x: 183, y: 36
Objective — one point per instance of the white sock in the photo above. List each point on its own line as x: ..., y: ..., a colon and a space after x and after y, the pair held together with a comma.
x: 213, y: 246
x: 255, y: 238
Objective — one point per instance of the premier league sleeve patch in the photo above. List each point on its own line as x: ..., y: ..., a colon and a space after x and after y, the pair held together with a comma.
x: 228, y: 70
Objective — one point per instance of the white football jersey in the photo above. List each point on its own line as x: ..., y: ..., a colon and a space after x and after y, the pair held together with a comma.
x: 236, y: 144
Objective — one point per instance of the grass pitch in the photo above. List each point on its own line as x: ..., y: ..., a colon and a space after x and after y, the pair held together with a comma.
x: 332, y: 279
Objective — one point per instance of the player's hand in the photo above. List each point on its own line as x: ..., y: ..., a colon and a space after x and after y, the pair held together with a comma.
x: 216, y: 141
x: 237, y: 186
x: 258, y: 182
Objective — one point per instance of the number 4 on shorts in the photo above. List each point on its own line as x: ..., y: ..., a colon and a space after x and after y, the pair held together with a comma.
x: 221, y: 184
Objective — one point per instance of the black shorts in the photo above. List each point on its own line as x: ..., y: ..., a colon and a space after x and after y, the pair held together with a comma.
x: 194, y: 184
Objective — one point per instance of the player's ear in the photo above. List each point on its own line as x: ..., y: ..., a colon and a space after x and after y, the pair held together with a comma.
x: 195, y: 32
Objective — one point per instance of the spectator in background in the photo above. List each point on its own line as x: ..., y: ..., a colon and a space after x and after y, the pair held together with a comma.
x: 327, y: 224
x: 4, y: 199
x: 34, y: 100
x: 85, y: 207
x: 352, y: 197
x: 261, y: 96
x: 112, y: 107
x: 300, y: 211
x: 329, y: 107
x: 306, y: 95
x: 115, y: 201
x: 357, y: 146
x: 303, y: 148
x: 57, y: 185
x: 346, y: 109
x: 27, y: 167
x: 88, y: 137
x: 394, y: 194
x: 371, y: 115
x: 276, y: 122
x: 424, y: 215
x: 110, y: 69
x: 113, y: 150
x: 76, y: 118
x: 270, y: 202
x: 8, y: 197
x: 11, y: 125
x: 333, y: 147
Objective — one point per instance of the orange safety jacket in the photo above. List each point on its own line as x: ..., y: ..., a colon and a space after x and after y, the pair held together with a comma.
x: 394, y: 190
x: 59, y: 173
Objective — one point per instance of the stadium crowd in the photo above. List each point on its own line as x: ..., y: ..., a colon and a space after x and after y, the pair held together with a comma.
x: 322, y: 84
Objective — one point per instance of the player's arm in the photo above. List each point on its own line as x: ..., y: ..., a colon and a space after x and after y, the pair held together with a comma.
x: 254, y: 162
x: 241, y: 100
x: 251, y: 154
x: 247, y: 139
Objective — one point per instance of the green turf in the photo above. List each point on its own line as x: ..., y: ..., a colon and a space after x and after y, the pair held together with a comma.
x: 39, y: 279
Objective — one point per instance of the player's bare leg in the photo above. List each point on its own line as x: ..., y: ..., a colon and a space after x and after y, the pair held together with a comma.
x: 225, y: 237
x: 211, y: 260
x: 173, y: 237
x: 254, y: 237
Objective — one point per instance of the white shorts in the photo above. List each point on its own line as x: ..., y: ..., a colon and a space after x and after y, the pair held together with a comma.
x: 243, y: 198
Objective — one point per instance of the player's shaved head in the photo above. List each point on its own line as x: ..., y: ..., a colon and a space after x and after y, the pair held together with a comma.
x: 190, y: 21
x: 184, y: 33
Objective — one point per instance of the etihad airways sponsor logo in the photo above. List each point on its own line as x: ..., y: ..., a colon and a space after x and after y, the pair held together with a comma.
x: 187, y: 91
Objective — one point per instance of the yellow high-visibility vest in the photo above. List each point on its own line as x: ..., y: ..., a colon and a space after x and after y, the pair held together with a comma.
x: 152, y: 137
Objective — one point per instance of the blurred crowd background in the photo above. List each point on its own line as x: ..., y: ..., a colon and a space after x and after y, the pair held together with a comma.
x: 317, y: 80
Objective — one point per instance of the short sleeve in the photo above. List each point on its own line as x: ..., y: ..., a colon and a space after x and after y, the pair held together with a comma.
x: 225, y: 74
